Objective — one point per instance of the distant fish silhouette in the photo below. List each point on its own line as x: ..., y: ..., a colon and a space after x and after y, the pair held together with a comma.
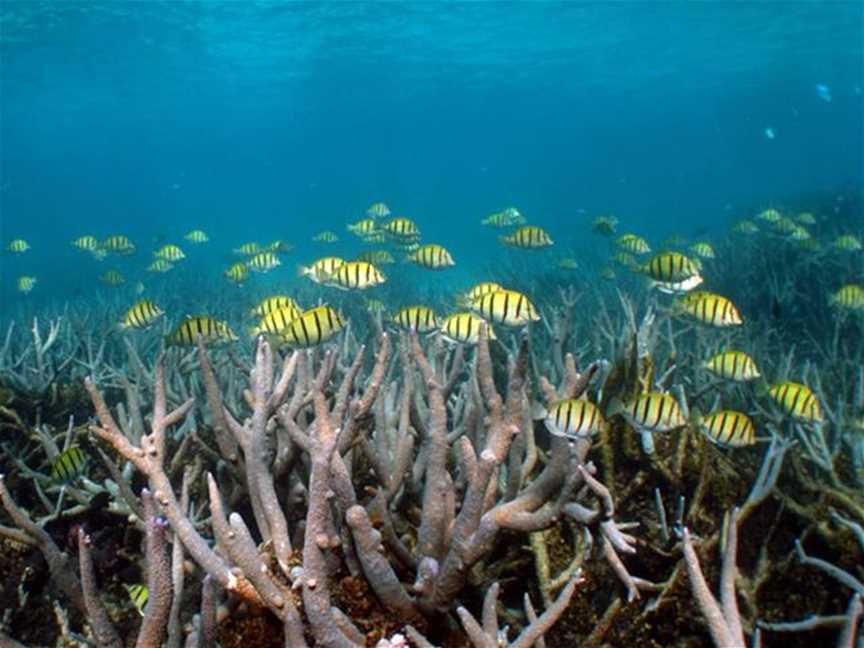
x: 823, y: 91
x: 776, y: 310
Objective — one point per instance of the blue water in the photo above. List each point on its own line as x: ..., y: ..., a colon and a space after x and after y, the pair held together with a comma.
x: 264, y: 120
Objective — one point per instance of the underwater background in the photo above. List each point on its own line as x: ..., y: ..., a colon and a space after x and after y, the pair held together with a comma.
x: 495, y: 304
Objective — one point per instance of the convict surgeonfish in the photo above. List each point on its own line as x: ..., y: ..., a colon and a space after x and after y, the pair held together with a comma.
x: 376, y: 306
x: 797, y: 400
x: 709, y: 308
x: 237, y: 273
x: 528, y: 237
x: 313, y: 327
x: 464, y: 328
x: 197, y: 237
x: 112, y: 278
x: 211, y: 331
x: 141, y: 315
x: 769, y: 216
x: 362, y: 228
x: 376, y: 257
x: 478, y: 290
x: 653, y: 411
x: 263, y: 262
x: 279, y: 246
x: 505, y: 307
x: 26, y: 284
x: 605, y: 225
x: 356, y: 275
x: 848, y: 243
x: 160, y: 266
x: 703, y: 250
x: 733, y: 365
x: 170, y: 252
x: 850, y: 297
x: 248, y: 249
x: 322, y: 269
x: 432, y: 256
x: 326, y: 236
x: 18, y: 246
x: 118, y: 244
x: 276, y: 321
x: 402, y: 228
x: 729, y: 428
x: 806, y: 218
x: 417, y: 318
x: 633, y: 244
x: 269, y: 304
x: 378, y: 210
x: 670, y: 267
x: 86, y: 243
x: 575, y: 418
x: 746, y: 227
x: 138, y: 594
x: 505, y: 218
x: 69, y: 465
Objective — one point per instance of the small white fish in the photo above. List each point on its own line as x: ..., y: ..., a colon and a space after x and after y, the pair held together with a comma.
x: 769, y: 133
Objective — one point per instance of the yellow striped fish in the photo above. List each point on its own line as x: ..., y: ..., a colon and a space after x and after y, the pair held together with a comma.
x: 417, y: 318
x: 25, y: 284
x: 269, y: 304
x: 806, y: 218
x: 605, y: 225
x: 170, y: 252
x: 197, y: 237
x: 375, y: 306
x: 138, y: 594
x: 279, y: 246
x: 627, y: 260
x: 313, y: 327
x: 670, y: 267
x: 356, y: 275
x: 276, y: 321
x: 848, y: 243
x: 376, y: 257
x: 769, y: 216
x: 160, y: 265
x: 112, y: 278
x: 505, y: 218
x: 69, y: 465
x: 850, y: 296
x: 464, y: 328
x: 141, y: 315
x: 733, y: 365
x: 263, y: 262
x: 118, y: 244
x: 800, y: 234
x: 238, y: 273
x: 18, y: 246
x: 86, y: 243
x: 378, y: 210
x: 402, y: 228
x: 480, y: 289
x: 653, y: 411
x: 212, y: 331
x: 432, y: 256
x: 710, y: 308
x: 362, y: 228
x: 746, y: 227
x: 729, y: 428
x: 703, y: 250
x: 578, y: 418
x: 322, y: 269
x: 568, y: 263
x: 248, y: 249
x: 378, y: 236
x: 529, y: 237
x: 506, y: 307
x: 797, y: 400
x: 633, y: 244
x: 784, y: 225
x: 325, y: 237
